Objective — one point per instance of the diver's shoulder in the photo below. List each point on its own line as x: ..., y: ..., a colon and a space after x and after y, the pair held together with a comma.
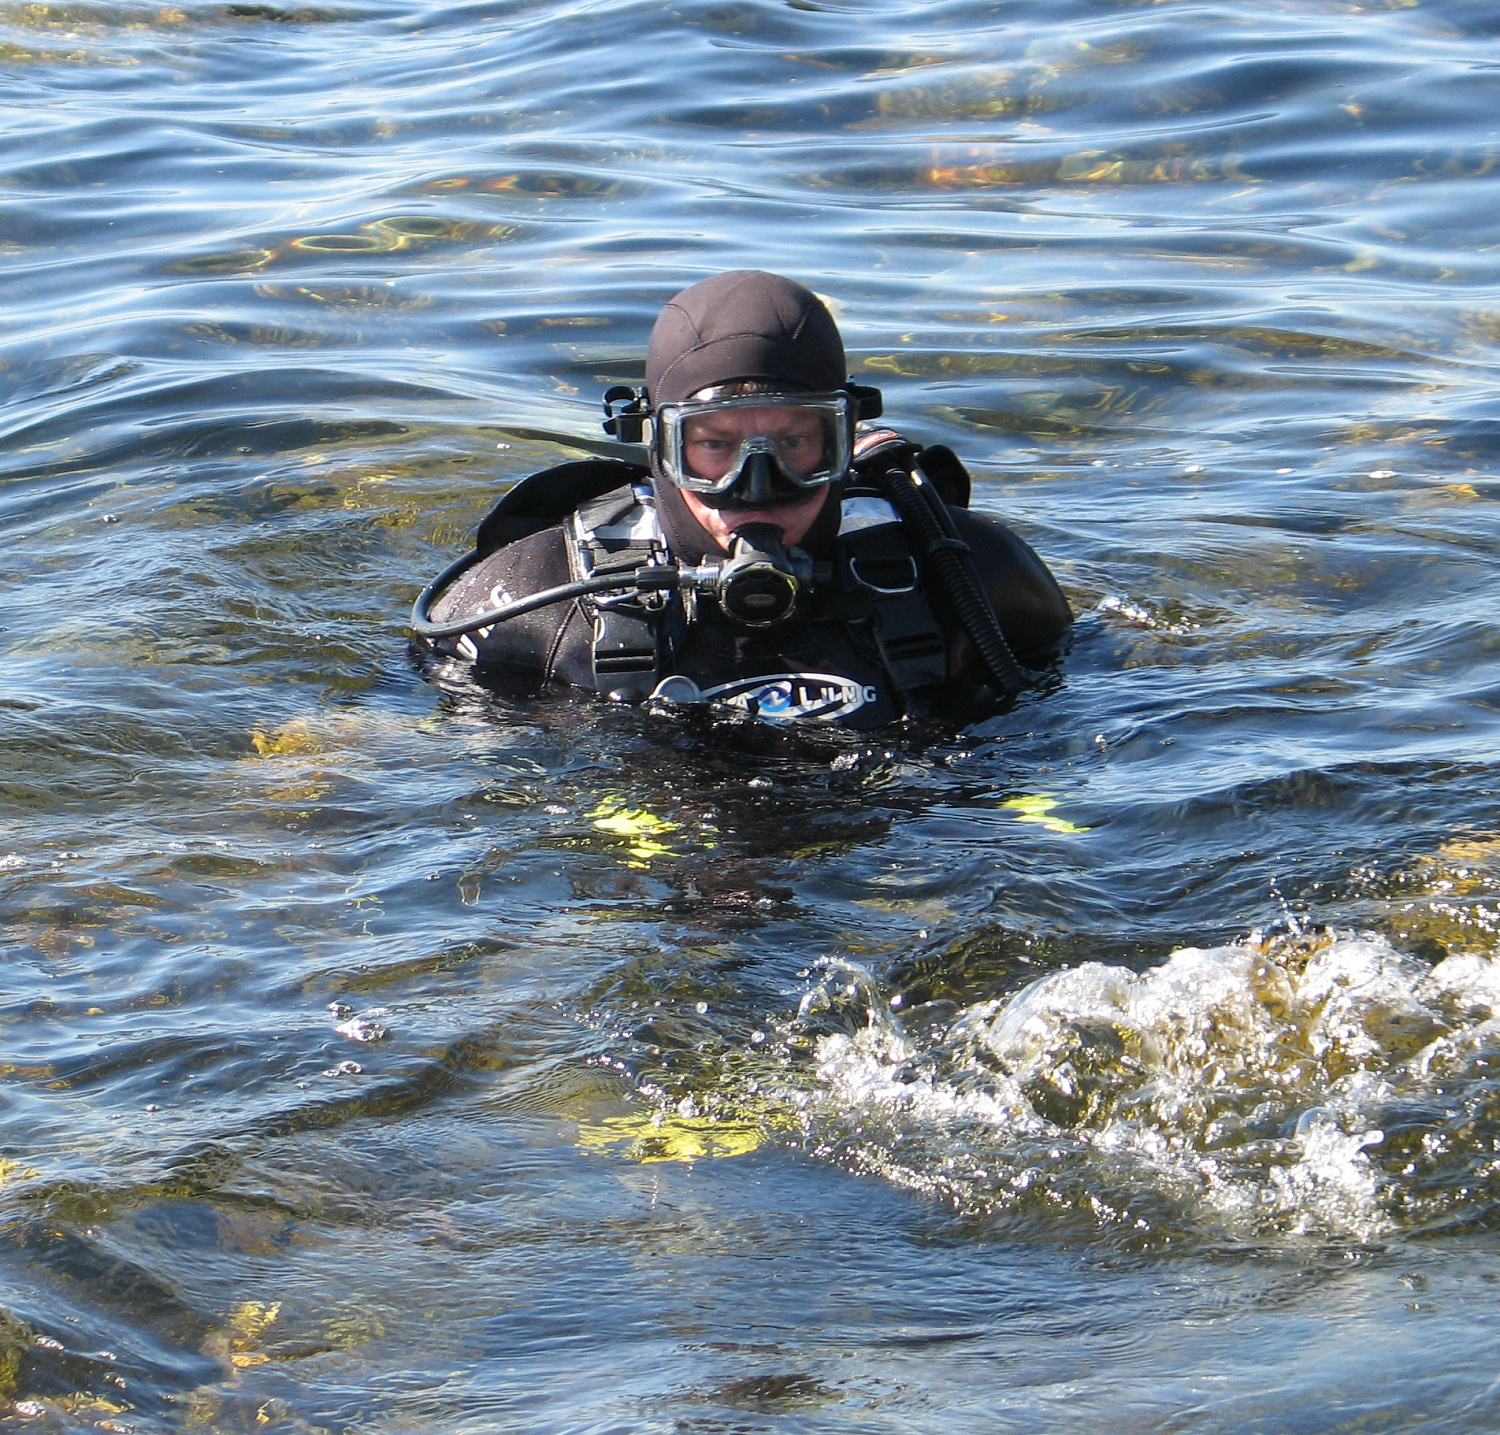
x: 525, y: 565
x: 986, y: 535
x: 1027, y: 599
x: 520, y: 545
x: 551, y: 496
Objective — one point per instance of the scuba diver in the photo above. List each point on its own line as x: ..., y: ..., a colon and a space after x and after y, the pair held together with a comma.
x: 777, y: 553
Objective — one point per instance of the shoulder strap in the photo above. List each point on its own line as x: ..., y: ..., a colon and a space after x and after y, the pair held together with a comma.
x: 618, y: 532
x: 548, y: 497
x: 879, y: 562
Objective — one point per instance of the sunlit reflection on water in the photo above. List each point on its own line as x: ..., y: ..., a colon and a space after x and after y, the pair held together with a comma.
x: 378, y: 1057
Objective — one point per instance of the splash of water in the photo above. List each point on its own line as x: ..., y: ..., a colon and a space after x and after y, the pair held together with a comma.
x: 1307, y: 1085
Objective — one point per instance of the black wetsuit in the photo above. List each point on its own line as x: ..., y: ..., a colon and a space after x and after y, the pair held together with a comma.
x: 821, y: 664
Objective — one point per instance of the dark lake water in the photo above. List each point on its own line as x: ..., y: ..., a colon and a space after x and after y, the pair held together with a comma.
x: 1129, y: 1063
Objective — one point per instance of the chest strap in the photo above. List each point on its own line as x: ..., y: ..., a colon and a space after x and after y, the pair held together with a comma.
x: 615, y: 534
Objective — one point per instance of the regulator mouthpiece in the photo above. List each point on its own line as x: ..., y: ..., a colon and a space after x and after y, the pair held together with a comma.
x: 758, y: 584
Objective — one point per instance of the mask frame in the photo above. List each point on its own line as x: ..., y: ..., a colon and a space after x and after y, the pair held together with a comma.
x: 761, y: 459
x: 628, y: 412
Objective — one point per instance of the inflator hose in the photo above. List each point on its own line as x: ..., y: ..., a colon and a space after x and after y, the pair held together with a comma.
x: 757, y: 586
x: 642, y: 579
x: 937, y: 544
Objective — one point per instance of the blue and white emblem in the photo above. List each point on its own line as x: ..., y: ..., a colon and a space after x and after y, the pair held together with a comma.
x: 779, y: 697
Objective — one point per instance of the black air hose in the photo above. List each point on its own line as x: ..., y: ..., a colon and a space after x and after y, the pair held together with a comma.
x: 642, y: 579
x: 946, y: 556
x: 756, y: 586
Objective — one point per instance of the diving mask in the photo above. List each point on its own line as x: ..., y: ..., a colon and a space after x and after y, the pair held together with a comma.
x: 754, y: 450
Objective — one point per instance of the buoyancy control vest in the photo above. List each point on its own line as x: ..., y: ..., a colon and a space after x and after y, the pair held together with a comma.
x: 617, y: 553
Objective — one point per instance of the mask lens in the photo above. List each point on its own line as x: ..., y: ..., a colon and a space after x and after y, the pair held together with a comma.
x: 710, y: 447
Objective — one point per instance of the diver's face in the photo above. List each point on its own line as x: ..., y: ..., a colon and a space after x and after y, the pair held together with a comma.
x: 793, y: 519
x: 711, y: 442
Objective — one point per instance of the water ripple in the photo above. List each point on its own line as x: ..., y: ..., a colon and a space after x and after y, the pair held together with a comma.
x: 1205, y: 296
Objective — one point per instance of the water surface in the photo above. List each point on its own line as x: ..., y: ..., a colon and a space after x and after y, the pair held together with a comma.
x: 382, y: 1059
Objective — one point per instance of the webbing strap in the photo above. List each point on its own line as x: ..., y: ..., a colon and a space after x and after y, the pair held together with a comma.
x: 879, y: 562
x: 618, y: 534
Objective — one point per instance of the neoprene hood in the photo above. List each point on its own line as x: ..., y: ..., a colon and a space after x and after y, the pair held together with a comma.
x: 745, y: 324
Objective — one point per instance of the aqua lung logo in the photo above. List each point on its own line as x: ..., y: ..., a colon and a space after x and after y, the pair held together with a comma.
x: 782, y: 697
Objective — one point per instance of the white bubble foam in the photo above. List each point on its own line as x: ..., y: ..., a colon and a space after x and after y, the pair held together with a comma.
x: 1248, y: 1080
